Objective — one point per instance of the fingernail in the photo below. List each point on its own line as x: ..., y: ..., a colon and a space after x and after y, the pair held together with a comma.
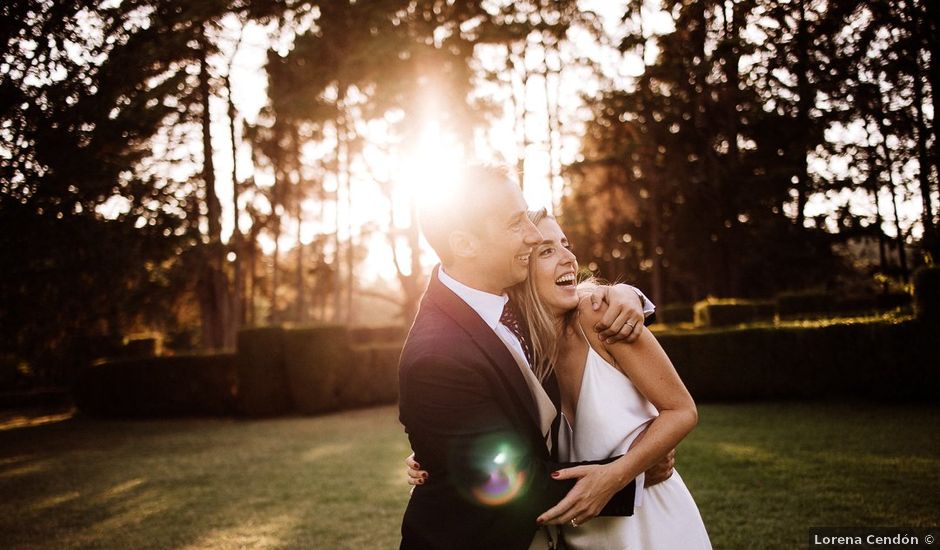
x: 539, y: 521
x: 555, y: 474
x: 610, y: 340
x: 417, y: 465
x: 420, y: 482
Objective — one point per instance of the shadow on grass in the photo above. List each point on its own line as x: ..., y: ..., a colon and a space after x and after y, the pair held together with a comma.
x: 334, y: 481
x: 762, y: 474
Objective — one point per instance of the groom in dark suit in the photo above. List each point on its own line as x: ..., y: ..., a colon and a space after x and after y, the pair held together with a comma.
x: 477, y: 420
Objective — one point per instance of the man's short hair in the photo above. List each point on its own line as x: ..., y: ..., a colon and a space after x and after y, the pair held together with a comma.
x: 461, y: 205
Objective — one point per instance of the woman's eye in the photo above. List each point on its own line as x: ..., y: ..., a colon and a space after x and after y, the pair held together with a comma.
x: 547, y: 251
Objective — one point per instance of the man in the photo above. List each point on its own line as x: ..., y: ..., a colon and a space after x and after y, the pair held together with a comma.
x: 478, y: 421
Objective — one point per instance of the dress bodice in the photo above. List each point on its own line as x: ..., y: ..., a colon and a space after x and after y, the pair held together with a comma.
x: 610, y: 413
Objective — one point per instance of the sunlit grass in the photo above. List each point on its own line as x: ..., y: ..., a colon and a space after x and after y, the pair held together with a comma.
x: 764, y: 474
x: 761, y: 473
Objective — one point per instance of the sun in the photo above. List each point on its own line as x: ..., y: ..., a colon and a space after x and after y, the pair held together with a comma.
x: 432, y: 164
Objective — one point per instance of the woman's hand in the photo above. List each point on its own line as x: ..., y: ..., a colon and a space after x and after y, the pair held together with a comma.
x: 595, y: 487
x: 416, y: 476
x: 624, y: 318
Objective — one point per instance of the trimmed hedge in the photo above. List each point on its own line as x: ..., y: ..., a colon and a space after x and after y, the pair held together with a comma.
x: 327, y: 372
x: 317, y: 360
x: 875, y: 360
x: 927, y: 295
x: 799, y: 304
x: 142, y: 346
x: 159, y: 386
x: 262, y: 378
x: 275, y: 371
x: 814, y: 304
x: 720, y: 313
x: 378, y: 335
x: 675, y: 314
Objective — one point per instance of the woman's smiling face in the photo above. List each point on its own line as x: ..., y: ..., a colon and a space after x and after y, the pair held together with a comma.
x: 555, y: 269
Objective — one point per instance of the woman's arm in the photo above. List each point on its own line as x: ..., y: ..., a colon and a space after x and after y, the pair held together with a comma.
x: 653, y: 374
x: 646, y: 365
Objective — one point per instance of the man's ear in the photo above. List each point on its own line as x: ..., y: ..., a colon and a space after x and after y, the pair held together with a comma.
x: 463, y: 244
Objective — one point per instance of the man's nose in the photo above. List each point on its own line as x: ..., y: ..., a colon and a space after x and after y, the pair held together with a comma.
x: 532, y: 235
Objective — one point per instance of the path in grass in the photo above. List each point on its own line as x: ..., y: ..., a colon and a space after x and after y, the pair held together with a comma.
x: 762, y: 474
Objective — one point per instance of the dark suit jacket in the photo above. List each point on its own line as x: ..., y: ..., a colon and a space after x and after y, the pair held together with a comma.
x: 463, y: 401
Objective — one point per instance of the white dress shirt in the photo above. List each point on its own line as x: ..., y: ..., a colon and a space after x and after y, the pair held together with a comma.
x: 490, y: 308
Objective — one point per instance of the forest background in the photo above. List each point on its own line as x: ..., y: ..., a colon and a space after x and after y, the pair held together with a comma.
x: 187, y: 169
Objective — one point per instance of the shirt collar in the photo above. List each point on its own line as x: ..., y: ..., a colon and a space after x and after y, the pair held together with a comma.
x: 488, y: 306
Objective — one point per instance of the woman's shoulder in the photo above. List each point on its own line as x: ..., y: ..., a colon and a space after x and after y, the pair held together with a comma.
x: 586, y: 318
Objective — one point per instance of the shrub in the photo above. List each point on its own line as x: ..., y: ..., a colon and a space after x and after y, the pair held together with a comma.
x: 378, y: 335
x: 317, y: 362
x: 262, y: 379
x: 675, y: 313
x: 142, y: 345
x: 927, y: 295
x: 800, y: 304
x: 159, y: 386
x: 876, y: 360
x: 718, y: 313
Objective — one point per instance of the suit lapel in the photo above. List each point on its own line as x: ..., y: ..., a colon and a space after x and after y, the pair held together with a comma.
x: 484, y: 337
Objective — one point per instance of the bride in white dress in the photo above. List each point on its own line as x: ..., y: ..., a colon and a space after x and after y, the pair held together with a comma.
x: 616, y: 399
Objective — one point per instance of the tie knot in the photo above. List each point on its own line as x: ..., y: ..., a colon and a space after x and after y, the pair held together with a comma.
x: 511, y: 321
x: 508, y: 317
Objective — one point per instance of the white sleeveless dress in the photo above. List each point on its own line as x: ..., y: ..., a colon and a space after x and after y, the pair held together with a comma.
x: 611, y: 413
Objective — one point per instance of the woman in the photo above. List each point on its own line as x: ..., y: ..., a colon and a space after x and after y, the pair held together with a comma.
x: 616, y: 399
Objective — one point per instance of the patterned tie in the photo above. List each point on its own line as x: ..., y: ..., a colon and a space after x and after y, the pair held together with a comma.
x: 510, y: 321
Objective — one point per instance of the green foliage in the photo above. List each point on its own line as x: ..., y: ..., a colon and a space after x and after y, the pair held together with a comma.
x: 386, y: 334
x: 262, y: 379
x: 309, y: 482
x: 803, y: 303
x: 882, y: 359
x: 718, y: 313
x: 143, y: 345
x: 675, y: 313
x: 274, y: 371
x: 318, y: 361
x: 159, y: 386
x: 927, y: 295
x: 812, y: 304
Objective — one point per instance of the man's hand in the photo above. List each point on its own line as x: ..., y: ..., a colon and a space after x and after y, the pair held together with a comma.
x: 416, y: 476
x: 623, y: 320
x: 662, y: 470
x: 595, y: 487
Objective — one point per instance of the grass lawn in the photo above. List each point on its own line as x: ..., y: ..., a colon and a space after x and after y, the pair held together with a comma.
x: 761, y: 473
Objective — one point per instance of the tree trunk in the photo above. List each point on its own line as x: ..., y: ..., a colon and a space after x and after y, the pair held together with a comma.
x: 933, y: 72
x: 902, y: 254
x: 214, y: 284
x: 923, y: 175
x: 805, y: 101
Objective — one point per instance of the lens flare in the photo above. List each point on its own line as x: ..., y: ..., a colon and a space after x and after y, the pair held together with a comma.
x: 501, y: 480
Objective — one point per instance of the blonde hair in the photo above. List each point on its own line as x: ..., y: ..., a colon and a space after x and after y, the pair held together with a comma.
x: 538, y: 318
